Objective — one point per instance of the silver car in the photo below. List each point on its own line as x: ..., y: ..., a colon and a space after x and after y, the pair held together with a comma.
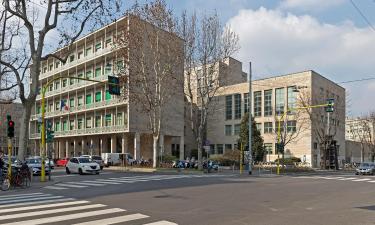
x: 36, y: 164
x: 366, y: 168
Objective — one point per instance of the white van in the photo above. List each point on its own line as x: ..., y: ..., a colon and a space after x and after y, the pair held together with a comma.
x: 114, y: 159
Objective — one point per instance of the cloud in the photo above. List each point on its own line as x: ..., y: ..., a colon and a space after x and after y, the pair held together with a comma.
x: 278, y: 43
x: 312, y: 5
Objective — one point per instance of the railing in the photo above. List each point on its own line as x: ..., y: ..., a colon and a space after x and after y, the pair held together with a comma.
x: 87, y: 131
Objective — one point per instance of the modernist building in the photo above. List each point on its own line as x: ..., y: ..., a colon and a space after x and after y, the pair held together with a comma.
x: 15, y: 110
x: 270, y: 98
x: 86, y: 118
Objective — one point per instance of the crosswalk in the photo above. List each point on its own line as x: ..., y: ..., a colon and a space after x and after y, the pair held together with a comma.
x: 122, y: 180
x: 39, y: 208
x: 340, y: 178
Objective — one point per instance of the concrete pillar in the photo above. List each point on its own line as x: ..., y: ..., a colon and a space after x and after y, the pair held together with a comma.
x: 82, y: 147
x: 137, y: 146
x: 182, y: 147
x: 61, y: 154
x: 92, y: 152
x: 74, y: 148
x: 67, y: 149
x: 125, y: 144
x: 101, y: 146
x: 113, y: 144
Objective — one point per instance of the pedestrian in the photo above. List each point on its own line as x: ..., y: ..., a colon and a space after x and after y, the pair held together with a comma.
x: 1, y: 164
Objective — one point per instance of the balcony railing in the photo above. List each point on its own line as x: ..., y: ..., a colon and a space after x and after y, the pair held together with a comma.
x: 92, y: 106
x: 87, y: 131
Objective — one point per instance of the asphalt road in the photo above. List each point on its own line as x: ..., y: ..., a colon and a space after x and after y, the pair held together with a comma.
x: 337, y: 198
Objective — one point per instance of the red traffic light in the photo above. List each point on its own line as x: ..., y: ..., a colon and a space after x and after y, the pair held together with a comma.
x: 11, y: 123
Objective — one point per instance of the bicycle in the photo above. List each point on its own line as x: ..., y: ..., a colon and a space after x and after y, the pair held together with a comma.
x: 5, y: 181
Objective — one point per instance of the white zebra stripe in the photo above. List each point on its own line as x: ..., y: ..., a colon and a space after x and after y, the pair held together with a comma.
x: 114, y: 220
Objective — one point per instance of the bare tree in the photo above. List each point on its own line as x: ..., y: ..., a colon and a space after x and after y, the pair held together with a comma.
x: 363, y: 131
x: 25, y: 28
x: 154, y: 77
x: 207, y: 44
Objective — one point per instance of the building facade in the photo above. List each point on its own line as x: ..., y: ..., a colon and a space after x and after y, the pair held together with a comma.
x: 271, y: 98
x: 86, y: 118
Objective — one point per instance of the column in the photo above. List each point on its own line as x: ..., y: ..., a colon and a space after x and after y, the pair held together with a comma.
x: 161, y: 144
x: 60, y: 150
x: 101, y: 146
x: 67, y: 149
x: 74, y: 148
x: 113, y: 144
x: 92, y: 152
x: 137, y: 146
x: 82, y: 146
x: 124, y: 144
x: 35, y: 147
x: 182, y: 147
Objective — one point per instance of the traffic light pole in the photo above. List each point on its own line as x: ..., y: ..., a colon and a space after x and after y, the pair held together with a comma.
x: 43, y: 132
x: 9, y: 158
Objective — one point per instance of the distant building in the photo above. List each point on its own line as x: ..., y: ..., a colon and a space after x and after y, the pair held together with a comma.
x: 15, y: 110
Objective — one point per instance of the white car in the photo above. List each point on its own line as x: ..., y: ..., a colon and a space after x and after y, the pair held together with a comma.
x: 82, y: 165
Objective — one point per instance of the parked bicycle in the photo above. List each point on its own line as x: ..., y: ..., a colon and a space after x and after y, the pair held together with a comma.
x: 21, y: 177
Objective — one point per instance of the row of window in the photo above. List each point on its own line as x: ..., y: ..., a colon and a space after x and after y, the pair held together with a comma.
x: 257, y: 99
x: 219, y: 148
x: 268, y: 127
x: 84, y: 52
x: 76, y: 101
x: 89, y: 122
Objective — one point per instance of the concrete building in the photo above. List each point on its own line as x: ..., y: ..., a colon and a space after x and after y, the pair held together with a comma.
x: 15, y: 110
x: 270, y: 98
x: 89, y: 120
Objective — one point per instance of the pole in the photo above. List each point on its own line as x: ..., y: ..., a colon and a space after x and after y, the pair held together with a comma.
x: 43, y: 138
x: 49, y: 161
x: 241, y: 159
x: 250, y: 122
x: 9, y: 158
x: 278, y: 146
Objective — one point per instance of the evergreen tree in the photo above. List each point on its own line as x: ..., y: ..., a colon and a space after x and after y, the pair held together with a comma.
x: 257, y: 140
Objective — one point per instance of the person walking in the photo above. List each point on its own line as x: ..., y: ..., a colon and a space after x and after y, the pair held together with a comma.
x: 1, y: 165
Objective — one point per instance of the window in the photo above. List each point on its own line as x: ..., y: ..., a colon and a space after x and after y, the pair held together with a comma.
x: 228, y: 146
x: 292, y: 126
x: 237, y: 129
x: 228, y: 107
x: 119, y: 119
x: 57, y: 126
x: 80, y: 100
x: 64, y: 83
x: 259, y: 127
x: 88, y: 122
x: 38, y: 110
x: 219, y: 148
x: 268, y: 127
x: 108, y: 120
x: 282, y: 125
x: 71, y: 81
x: 80, y: 54
x: 88, y: 51
x: 57, y: 64
x: 71, y: 102
x: 237, y: 106
x: 50, y: 87
x: 45, y: 70
x: 98, y: 121
x: 292, y: 96
x: 71, y: 125
x: 228, y: 130
x: 120, y: 65
x: 108, y: 69
x: 38, y: 127
x: 80, y: 76
x: 315, y: 145
x: 89, y: 74
x: 268, y: 103
x: 80, y: 123
x: 98, y: 72
x: 108, y: 41
x: 57, y: 85
x: 98, y: 46
x: 57, y: 105
x: 268, y: 148
x: 98, y: 96
x: 246, y: 102
x: 50, y: 107
x: 71, y: 58
x: 88, y: 99
x: 65, y: 125
x: 257, y: 104
x: 50, y: 67
x: 107, y: 95
x: 279, y: 101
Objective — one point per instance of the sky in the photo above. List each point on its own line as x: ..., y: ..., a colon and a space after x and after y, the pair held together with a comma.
x: 279, y: 37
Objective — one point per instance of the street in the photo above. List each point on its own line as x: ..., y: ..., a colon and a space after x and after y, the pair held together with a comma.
x: 217, y: 198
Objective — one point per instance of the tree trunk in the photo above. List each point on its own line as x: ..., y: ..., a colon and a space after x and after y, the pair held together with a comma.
x: 200, y: 163
x: 155, y: 151
x: 24, y: 130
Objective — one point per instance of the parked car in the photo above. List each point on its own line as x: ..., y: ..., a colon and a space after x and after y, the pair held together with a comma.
x: 14, y: 161
x: 82, y: 165
x: 366, y: 168
x: 112, y: 159
x: 47, y: 163
x: 62, y: 162
x: 36, y: 164
x: 96, y: 158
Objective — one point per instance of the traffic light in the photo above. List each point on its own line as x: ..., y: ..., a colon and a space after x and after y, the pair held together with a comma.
x: 280, y: 147
x: 113, y: 85
x: 50, y: 132
x: 10, y: 127
x: 330, y: 105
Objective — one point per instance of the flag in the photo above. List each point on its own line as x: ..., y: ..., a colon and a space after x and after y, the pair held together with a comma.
x: 63, y: 106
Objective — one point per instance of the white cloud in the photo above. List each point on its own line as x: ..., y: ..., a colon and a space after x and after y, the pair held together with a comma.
x: 279, y: 43
x: 313, y: 5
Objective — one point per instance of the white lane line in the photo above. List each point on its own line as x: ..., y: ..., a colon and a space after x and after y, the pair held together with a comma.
x: 25, y: 197
x: 102, y: 181
x: 55, y: 188
x: 106, y: 173
x: 29, y: 199
x: 67, y: 217
x: 114, y: 220
x: 85, y: 183
x: 365, y: 179
x: 38, y: 213
x: 163, y: 222
x: 70, y: 185
x: 371, y: 181
x: 31, y: 194
x: 71, y: 175
x: 349, y: 178
x: 36, y: 202
x: 42, y: 206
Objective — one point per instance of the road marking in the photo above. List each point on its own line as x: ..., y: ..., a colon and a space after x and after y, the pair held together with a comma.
x: 103, y: 181
x: 5, y: 196
x: 84, y: 183
x: 114, y: 220
x: 36, y: 202
x: 55, y: 188
x: 70, y: 185
x: 42, y: 206
x: 24, y: 200
x: 163, y: 222
x: 365, y: 179
x: 348, y: 178
x: 38, y: 213
x: 67, y: 217
x: 18, y: 197
x: 371, y: 181
x: 70, y: 175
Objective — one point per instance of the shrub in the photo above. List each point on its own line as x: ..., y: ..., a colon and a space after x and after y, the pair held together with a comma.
x: 169, y: 158
x: 288, y: 161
